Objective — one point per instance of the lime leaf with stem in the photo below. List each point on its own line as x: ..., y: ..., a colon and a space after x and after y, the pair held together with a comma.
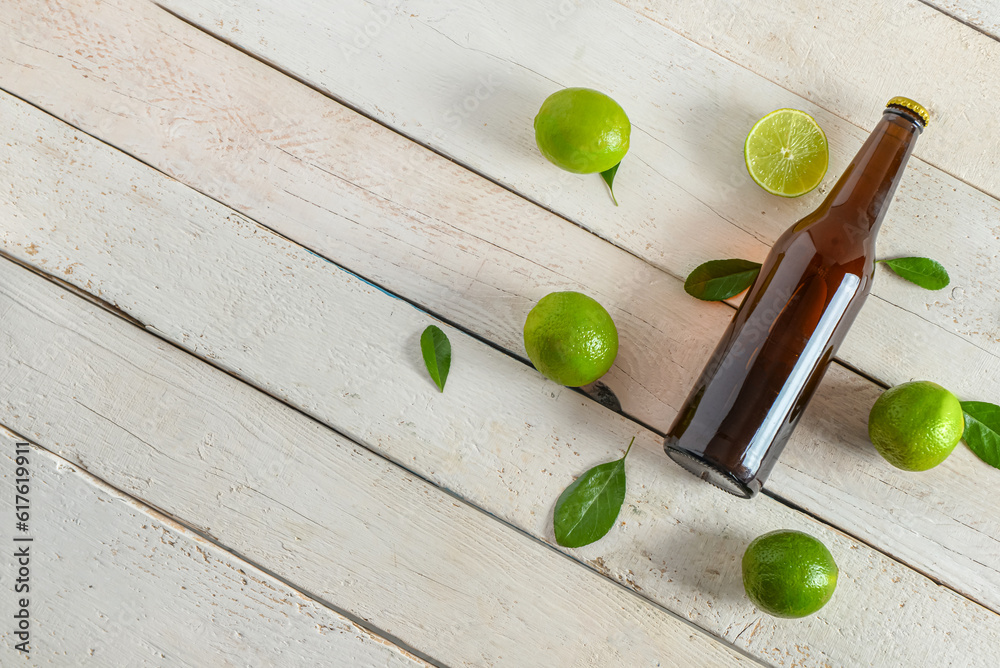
x: 588, y: 508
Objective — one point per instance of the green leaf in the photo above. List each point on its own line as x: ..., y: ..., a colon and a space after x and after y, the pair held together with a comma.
x: 587, y: 509
x: 721, y: 279
x: 982, y: 430
x: 609, y: 178
x: 436, y: 348
x: 923, y: 271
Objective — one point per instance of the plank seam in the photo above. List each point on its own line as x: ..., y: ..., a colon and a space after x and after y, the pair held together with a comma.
x: 215, y: 541
x: 477, y: 337
x: 207, y: 536
x: 799, y: 95
x: 960, y: 20
x: 934, y: 324
x: 459, y: 327
x: 330, y: 95
x: 113, y: 309
x: 465, y: 502
x: 83, y: 294
x: 168, y: 518
x: 791, y: 504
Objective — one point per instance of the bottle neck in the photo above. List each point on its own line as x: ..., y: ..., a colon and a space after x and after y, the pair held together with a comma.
x: 867, y: 185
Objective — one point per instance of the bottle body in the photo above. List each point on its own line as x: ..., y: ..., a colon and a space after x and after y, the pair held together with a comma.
x: 771, y: 358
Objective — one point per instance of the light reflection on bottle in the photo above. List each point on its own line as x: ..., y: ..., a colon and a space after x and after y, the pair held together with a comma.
x: 807, y: 364
x: 754, y: 388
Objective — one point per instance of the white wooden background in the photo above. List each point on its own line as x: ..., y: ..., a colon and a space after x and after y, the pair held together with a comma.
x: 225, y: 224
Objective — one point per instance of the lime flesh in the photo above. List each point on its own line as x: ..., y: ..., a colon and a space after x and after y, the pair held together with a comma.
x: 786, y: 153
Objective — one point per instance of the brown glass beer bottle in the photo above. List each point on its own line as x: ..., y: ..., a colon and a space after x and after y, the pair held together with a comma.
x: 752, y: 392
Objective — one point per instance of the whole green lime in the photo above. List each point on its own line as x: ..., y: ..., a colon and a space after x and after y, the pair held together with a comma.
x: 582, y: 130
x: 915, y: 426
x: 570, y: 338
x: 789, y: 573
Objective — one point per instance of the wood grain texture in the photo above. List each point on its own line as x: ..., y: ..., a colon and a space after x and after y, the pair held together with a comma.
x: 427, y: 229
x: 313, y: 507
x: 115, y: 583
x: 196, y: 442
x: 981, y: 14
x: 902, y: 334
x: 467, y: 79
x: 350, y: 189
x: 850, y: 56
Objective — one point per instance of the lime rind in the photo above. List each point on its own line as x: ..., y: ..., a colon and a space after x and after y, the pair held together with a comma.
x: 789, y: 574
x: 570, y: 338
x: 916, y: 426
x: 582, y: 130
x: 786, y: 153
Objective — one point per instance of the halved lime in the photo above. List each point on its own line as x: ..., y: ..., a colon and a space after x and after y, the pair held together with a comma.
x: 786, y: 153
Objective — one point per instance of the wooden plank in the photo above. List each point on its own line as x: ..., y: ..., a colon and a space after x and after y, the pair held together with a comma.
x: 313, y: 507
x: 427, y: 229
x: 413, y: 222
x: 980, y: 14
x: 204, y: 447
x: 113, y: 582
x: 850, y: 56
x: 682, y: 204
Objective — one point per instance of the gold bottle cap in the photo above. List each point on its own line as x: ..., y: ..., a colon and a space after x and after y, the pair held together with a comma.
x: 915, y: 107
